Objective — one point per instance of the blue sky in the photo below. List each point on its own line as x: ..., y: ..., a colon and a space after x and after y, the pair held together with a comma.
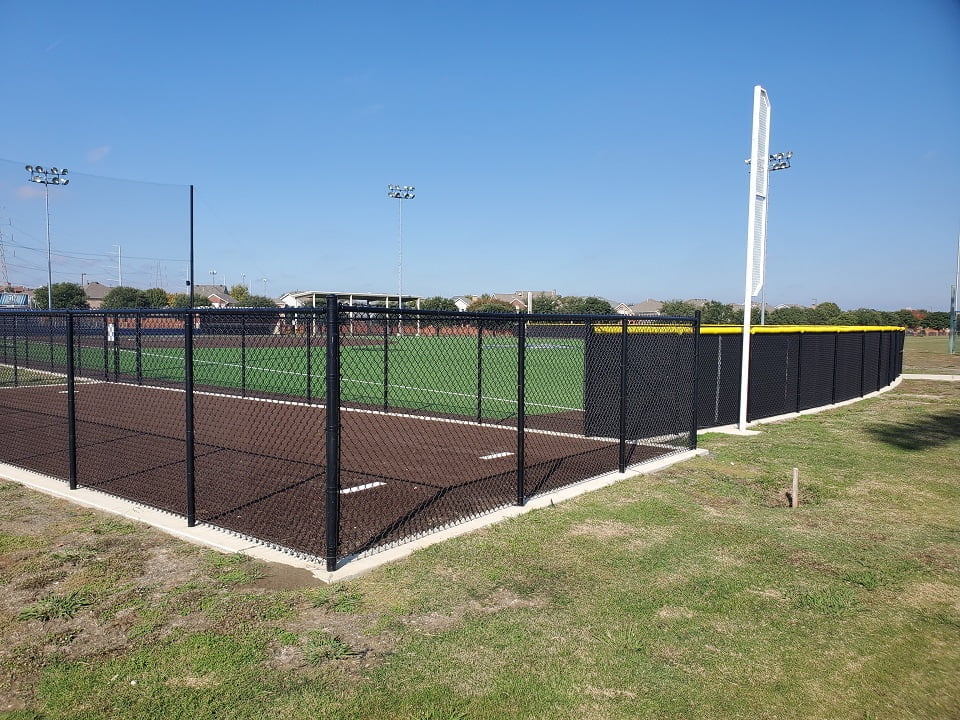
x: 592, y: 148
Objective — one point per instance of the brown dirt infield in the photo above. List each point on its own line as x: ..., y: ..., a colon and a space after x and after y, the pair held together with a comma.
x: 260, y: 464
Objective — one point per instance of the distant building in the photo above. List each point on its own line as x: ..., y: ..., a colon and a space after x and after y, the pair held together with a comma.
x: 647, y: 307
x: 95, y: 293
x: 216, y: 294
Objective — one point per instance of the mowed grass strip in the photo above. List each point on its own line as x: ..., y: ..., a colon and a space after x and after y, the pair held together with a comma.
x: 692, y: 593
x: 929, y: 355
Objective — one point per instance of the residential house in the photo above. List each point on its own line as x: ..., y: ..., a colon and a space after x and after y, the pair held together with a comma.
x: 216, y: 294
x: 95, y: 293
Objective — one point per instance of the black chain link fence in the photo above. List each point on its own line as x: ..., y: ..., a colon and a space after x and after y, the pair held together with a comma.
x: 793, y: 369
x: 336, y: 431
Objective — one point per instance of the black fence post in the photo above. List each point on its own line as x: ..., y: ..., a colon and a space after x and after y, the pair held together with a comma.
x: 696, y: 380
x: 479, y: 371
x: 309, y: 340
x: 863, y: 358
x: 139, y: 353
x: 71, y: 406
x: 116, y: 347
x: 836, y: 359
x: 799, y: 368
x: 386, y: 361
x: 332, y: 519
x: 50, y: 328
x: 243, y: 355
x: 189, y: 436
x: 880, y: 362
x: 521, y: 400
x: 106, y: 350
x: 622, y: 432
x: 16, y: 366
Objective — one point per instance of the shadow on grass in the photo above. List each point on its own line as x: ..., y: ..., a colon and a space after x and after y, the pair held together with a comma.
x: 933, y: 430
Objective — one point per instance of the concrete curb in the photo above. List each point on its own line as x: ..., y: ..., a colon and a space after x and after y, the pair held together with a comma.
x: 226, y: 541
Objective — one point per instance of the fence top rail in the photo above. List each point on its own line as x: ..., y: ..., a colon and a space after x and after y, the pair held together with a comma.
x: 793, y: 329
x: 530, y: 318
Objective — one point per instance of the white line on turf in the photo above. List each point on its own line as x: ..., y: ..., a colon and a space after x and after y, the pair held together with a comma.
x: 378, y: 383
x: 493, y: 456
x: 358, y: 488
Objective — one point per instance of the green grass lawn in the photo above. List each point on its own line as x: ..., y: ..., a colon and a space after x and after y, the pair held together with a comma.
x: 692, y: 593
x: 929, y: 355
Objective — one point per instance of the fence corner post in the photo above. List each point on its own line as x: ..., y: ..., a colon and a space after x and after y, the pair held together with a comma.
x: 622, y: 428
x: 332, y: 504
x: 521, y: 400
x: 697, y: 320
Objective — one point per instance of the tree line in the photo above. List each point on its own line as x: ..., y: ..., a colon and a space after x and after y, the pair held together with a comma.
x: 826, y: 313
x: 714, y: 312
x: 71, y: 296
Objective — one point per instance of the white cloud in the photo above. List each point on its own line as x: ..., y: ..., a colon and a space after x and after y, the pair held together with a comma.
x: 98, y: 153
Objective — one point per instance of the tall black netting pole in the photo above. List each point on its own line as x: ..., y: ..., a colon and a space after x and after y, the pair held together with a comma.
x: 189, y: 434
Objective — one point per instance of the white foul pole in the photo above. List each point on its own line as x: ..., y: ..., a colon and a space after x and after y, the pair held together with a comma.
x: 756, y: 232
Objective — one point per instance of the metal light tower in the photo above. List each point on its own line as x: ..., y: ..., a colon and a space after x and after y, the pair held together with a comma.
x: 401, y: 193
x: 53, y: 176
x: 779, y: 161
x: 952, y: 342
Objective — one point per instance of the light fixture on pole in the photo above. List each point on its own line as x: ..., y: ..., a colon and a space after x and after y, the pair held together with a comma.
x: 213, y: 274
x: 47, y: 177
x: 778, y: 161
x: 401, y: 193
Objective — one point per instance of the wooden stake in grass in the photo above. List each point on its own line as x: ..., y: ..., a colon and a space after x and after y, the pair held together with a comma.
x: 794, y: 498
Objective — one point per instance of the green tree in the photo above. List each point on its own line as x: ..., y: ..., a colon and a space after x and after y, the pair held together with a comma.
x: 124, y: 296
x: 789, y: 316
x: 182, y: 300
x: 66, y: 296
x: 908, y: 318
x: 257, y: 301
x: 240, y: 293
x: 679, y: 308
x: 157, y: 298
x: 825, y: 313
x: 590, y: 305
x: 545, y: 304
x: 866, y: 316
x: 487, y: 304
x: 715, y: 312
x: 937, y: 320
x: 438, y: 303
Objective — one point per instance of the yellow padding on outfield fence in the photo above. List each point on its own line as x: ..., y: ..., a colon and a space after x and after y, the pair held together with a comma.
x: 616, y: 329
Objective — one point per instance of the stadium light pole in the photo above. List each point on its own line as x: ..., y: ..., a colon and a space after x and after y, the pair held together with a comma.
x: 53, y: 176
x: 779, y: 161
x: 953, y: 305
x: 401, y: 193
